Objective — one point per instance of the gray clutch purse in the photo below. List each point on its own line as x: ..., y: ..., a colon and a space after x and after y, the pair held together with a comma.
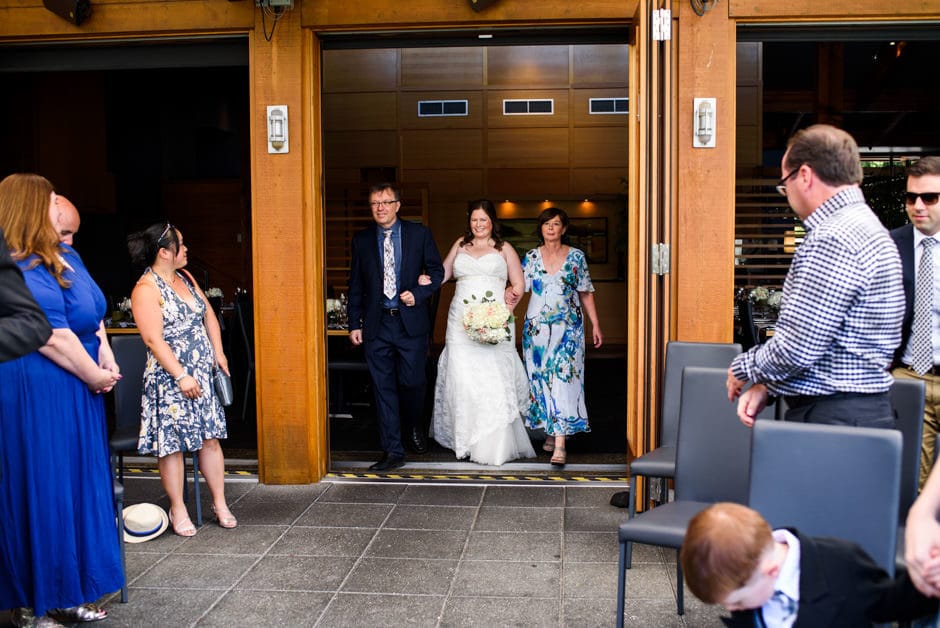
x: 223, y: 386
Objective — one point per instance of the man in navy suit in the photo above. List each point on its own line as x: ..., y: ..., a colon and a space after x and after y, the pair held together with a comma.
x: 922, y: 202
x: 388, y: 315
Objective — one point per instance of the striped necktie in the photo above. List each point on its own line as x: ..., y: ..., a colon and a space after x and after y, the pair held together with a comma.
x: 388, y: 264
x: 922, y: 327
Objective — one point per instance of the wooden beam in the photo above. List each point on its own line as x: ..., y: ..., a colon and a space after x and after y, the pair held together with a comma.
x: 842, y: 10
x: 29, y: 19
x: 289, y: 371
x: 378, y: 14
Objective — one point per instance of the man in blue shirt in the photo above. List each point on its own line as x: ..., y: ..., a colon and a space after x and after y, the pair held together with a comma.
x: 843, y: 300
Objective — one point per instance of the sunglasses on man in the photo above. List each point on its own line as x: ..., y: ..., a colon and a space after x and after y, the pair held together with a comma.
x: 929, y: 198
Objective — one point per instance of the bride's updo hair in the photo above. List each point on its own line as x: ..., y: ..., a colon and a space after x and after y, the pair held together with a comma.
x: 143, y: 246
x: 490, y: 210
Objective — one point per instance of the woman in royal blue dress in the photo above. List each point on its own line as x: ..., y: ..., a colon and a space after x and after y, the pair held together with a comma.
x: 58, y: 537
x: 553, y: 333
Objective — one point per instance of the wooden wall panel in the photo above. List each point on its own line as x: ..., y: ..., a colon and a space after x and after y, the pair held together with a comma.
x: 287, y: 294
x: 527, y: 148
x: 581, y: 103
x: 527, y: 183
x: 28, y: 19
x: 599, y: 146
x: 527, y: 66
x: 442, y: 68
x: 360, y: 70
x: 599, y: 180
x: 354, y: 149
x: 496, y: 119
x: 408, y: 110
x: 359, y: 111
x: 343, y: 14
x: 599, y: 65
x: 705, y: 184
x: 452, y: 186
x: 445, y: 148
x: 801, y: 10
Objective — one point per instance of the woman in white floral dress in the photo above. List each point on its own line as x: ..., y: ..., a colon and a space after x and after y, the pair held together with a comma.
x: 553, y: 333
x: 180, y: 411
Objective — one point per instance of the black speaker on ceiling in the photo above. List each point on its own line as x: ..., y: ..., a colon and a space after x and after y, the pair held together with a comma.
x: 74, y: 11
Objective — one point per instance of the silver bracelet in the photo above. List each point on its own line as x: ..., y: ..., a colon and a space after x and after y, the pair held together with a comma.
x: 181, y: 376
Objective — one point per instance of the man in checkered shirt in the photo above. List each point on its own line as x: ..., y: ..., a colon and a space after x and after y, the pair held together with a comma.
x: 843, y: 299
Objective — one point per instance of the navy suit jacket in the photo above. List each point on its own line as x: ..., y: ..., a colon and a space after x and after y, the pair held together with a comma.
x: 23, y: 324
x: 419, y: 255
x: 840, y: 586
x: 904, y: 239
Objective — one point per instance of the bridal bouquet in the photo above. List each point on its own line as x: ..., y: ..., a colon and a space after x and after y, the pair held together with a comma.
x: 487, y: 321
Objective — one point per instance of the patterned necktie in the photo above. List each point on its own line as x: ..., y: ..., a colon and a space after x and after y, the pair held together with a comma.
x: 786, y: 603
x: 922, y: 327
x: 388, y: 263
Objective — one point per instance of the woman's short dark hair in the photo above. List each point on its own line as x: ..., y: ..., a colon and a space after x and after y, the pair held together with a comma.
x: 143, y: 246
x: 490, y: 209
x: 546, y: 215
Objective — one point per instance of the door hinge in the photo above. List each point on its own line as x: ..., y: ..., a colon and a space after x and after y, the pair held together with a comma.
x: 659, y: 261
x: 662, y: 24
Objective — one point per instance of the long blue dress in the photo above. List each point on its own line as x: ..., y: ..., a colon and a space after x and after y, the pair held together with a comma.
x: 58, y: 534
x: 553, y: 343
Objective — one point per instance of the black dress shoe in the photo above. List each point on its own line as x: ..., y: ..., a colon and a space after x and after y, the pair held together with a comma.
x: 418, y: 440
x: 387, y: 462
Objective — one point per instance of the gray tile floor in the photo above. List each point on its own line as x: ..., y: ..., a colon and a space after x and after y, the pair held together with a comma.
x: 372, y: 554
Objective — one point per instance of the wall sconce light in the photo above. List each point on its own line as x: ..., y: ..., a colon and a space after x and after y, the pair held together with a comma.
x: 701, y: 6
x: 704, y: 111
x: 277, y: 129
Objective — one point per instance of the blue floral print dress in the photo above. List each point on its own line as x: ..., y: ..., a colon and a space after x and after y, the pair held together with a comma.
x: 169, y: 422
x: 553, y: 343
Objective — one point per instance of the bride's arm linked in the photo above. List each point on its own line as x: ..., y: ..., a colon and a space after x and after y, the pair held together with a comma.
x: 516, y: 281
x: 424, y: 280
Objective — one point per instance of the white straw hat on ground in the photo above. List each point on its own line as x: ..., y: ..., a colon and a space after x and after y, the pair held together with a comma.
x: 143, y: 522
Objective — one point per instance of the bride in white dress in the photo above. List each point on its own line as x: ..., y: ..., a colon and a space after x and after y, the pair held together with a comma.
x: 482, y: 389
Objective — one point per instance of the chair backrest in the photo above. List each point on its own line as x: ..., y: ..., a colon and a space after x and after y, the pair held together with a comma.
x: 245, y: 316
x: 829, y: 480
x: 713, y: 449
x: 130, y: 353
x: 907, y: 397
x: 678, y: 356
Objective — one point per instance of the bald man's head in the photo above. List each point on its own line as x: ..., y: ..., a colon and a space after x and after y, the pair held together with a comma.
x: 66, y: 220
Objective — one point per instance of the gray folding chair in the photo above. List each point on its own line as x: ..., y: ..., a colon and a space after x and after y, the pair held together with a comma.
x: 130, y: 353
x: 908, y: 398
x: 712, y: 458
x: 661, y: 462
x: 829, y: 480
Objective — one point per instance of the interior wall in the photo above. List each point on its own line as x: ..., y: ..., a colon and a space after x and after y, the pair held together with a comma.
x: 523, y: 163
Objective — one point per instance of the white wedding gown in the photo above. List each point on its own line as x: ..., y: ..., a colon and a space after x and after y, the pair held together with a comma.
x: 481, y: 389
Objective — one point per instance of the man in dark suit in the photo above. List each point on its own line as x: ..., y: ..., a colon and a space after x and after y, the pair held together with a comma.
x: 388, y: 315
x: 23, y: 325
x: 785, y: 579
x: 918, y: 357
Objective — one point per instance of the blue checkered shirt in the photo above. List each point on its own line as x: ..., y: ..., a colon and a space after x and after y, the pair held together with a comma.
x: 843, y: 301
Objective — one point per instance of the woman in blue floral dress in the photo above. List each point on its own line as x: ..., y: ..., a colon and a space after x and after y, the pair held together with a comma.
x: 180, y: 411
x: 553, y: 333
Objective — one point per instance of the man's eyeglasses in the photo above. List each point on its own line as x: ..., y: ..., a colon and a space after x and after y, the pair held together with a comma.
x: 165, y: 231
x: 929, y: 198
x: 377, y: 204
x: 781, y: 186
